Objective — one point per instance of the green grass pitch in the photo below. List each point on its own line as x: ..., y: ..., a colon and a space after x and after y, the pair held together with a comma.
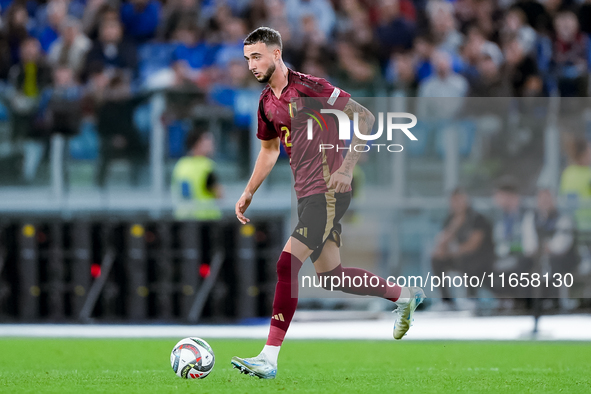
x: 142, y: 366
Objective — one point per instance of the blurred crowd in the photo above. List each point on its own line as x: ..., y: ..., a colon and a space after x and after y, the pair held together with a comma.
x: 423, y: 47
x: 521, y: 241
x: 62, y: 60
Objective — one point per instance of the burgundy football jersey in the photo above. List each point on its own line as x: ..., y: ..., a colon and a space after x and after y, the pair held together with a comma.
x: 311, y: 166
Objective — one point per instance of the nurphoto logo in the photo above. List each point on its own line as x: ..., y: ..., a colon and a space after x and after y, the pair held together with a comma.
x: 344, y: 125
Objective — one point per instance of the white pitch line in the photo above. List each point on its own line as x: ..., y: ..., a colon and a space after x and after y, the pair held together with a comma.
x: 426, y: 327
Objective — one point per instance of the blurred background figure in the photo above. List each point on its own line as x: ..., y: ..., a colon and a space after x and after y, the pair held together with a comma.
x: 111, y: 51
x: 549, y: 237
x: 393, y: 32
x: 444, y: 82
x: 508, y: 236
x: 515, y: 27
x: 192, y: 56
x: 490, y: 80
x: 28, y: 79
x: 575, y: 182
x: 401, y: 74
x: 443, y: 26
x: 321, y: 10
x: 60, y: 106
x: 110, y: 96
x: 124, y: 81
x: 16, y: 27
x: 357, y: 73
x: 175, y: 12
x: 195, y: 186
x: 522, y: 71
x: 56, y: 15
x: 464, y: 245
x: 140, y: 19
x: 570, y: 55
x: 70, y: 48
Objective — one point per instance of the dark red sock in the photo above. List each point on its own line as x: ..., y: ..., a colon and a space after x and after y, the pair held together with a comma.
x: 286, y: 297
x: 358, y: 281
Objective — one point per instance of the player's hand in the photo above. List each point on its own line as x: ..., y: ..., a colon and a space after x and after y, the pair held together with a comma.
x: 241, y: 207
x: 340, y: 181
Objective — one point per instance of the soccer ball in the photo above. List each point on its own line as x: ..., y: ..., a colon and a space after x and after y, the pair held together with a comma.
x: 192, y: 358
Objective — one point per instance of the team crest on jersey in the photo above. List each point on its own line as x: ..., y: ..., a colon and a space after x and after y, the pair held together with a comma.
x: 292, y: 109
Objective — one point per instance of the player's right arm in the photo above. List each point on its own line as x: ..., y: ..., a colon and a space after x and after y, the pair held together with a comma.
x: 265, y: 161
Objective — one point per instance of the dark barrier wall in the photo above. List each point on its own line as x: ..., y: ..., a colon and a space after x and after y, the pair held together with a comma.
x: 53, y: 270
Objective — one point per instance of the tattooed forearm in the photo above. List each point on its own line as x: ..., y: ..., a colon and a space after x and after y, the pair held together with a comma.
x: 366, y: 121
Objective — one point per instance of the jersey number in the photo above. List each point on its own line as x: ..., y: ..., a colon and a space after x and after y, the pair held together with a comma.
x: 287, y: 139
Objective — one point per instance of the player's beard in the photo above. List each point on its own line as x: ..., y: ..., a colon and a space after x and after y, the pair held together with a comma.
x: 268, y: 74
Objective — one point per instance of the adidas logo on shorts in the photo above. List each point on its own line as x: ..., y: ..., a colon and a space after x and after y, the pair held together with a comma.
x: 303, y: 231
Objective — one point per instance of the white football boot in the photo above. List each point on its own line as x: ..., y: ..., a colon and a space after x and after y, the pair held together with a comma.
x: 405, y: 312
x: 255, y: 366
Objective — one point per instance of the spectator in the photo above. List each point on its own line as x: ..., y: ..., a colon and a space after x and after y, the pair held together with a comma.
x: 72, y: 8
x: 315, y: 67
x: 515, y: 27
x: 322, y: 10
x: 231, y: 48
x: 570, y: 51
x: 548, y: 233
x: 56, y: 15
x: 354, y: 21
x: 277, y: 19
x: 356, y: 73
x: 487, y: 17
x: 444, y: 82
x: 436, y: 114
x: 140, y: 19
x: 31, y: 75
x: 256, y: 13
x: 60, y: 104
x: 95, y: 13
x: 310, y: 34
x: 424, y: 49
x: 216, y: 23
x: 522, y: 71
x: 16, y: 29
x: 585, y: 17
x: 393, y: 32
x: 443, y: 26
x: 464, y: 244
x: 71, y: 47
x: 195, y: 186
x: 176, y: 12
x: 111, y: 50
x: 110, y: 95
x: 507, y: 233
x: 5, y: 56
x: 536, y: 15
x: 576, y: 181
x: 475, y: 46
x: 490, y: 81
x: 192, y: 56
x: 29, y: 78
x: 402, y: 75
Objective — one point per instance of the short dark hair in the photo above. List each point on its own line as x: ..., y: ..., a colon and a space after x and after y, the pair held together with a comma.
x: 265, y: 35
x: 508, y: 184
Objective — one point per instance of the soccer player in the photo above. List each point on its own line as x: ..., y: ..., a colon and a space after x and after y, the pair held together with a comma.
x: 323, y: 188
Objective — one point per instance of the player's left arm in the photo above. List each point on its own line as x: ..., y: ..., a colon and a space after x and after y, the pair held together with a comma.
x: 341, y: 179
